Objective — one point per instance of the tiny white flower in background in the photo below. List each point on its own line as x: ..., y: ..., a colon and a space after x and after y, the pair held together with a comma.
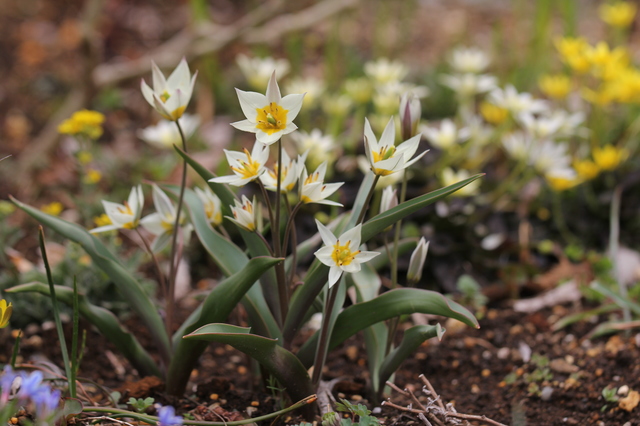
x: 312, y: 87
x: 162, y: 221
x: 469, y: 60
x: 547, y: 155
x: 320, y: 147
x: 416, y: 264
x: 170, y: 96
x: 165, y: 134
x: 212, y: 205
x: 467, y: 85
x: 387, y: 96
x: 337, y: 105
x: 568, y: 173
x: 446, y: 136
x: 449, y: 177
x: 123, y: 216
x: 314, y: 190
x: 269, y: 116
x: 515, y: 102
x: 385, y: 71
x: 479, y: 133
x: 258, y: 71
x: 389, y: 199
x: 570, y: 123
x: 243, y: 214
x: 245, y: 166
x: 384, y: 157
x: 517, y: 145
x: 289, y: 175
x: 342, y: 254
x: 359, y: 90
x: 540, y: 127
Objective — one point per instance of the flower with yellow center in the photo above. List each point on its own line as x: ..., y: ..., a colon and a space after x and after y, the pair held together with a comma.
x: 586, y: 169
x: 54, y: 208
x: 291, y: 170
x: 170, y: 96
x: 342, y: 254
x: 245, y: 166
x: 313, y: 189
x: 618, y: 14
x: 212, y: 205
x: 243, y: 214
x: 493, y: 114
x: 269, y: 116
x: 92, y: 177
x: 122, y: 216
x: 562, y: 179
x: 609, y: 157
x: 555, y: 86
x: 5, y: 313
x: 162, y: 221
x: 384, y: 157
x: 449, y: 177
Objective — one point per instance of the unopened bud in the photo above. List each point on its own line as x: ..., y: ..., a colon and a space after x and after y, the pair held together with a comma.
x: 416, y: 263
x: 410, y: 112
x: 389, y: 199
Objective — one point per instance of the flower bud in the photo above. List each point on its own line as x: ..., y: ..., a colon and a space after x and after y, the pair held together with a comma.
x: 417, y: 261
x: 410, y: 112
x: 389, y: 199
x: 5, y: 313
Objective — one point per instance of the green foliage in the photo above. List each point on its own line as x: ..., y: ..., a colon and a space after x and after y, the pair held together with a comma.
x: 140, y: 404
x: 360, y: 414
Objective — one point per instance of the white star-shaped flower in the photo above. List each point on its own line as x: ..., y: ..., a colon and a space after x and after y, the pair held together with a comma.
x: 314, y: 190
x: 269, y: 116
x: 342, y: 254
x: 170, y: 96
x: 245, y: 166
x: 123, y: 216
x: 384, y: 157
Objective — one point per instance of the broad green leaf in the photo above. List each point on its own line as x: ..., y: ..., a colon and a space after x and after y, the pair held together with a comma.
x: 254, y: 243
x: 316, y: 276
x: 71, y: 408
x: 281, y: 363
x: 402, y: 301
x: 105, y: 322
x: 215, y: 308
x: 411, y: 340
x: 375, y: 338
x: 105, y: 260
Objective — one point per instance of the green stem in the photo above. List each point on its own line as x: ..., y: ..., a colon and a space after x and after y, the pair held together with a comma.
x: 323, y: 341
x: 56, y: 315
x: 283, y: 290
x: 75, y: 361
x: 163, y: 284
x: 368, y: 200
x: 118, y: 413
x: 614, y: 244
x: 175, y: 262
x: 558, y: 218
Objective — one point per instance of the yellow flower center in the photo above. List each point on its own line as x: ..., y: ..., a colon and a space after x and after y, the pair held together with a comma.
x: 213, y: 216
x: 342, y: 255
x: 164, y: 97
x: 271, y: 118
x: 249, y: 168
x: 384, y: 154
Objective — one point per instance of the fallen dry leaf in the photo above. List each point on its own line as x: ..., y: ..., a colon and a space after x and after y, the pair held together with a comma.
x: 629, y: 402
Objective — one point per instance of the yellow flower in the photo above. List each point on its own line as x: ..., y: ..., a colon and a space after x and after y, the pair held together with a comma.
x: 609, y: 157
x: 493, y: 114
x: 54, y: 208
x: 102, y: 220
x: 5, y: 313
x: 606, y: 63
x: 602, y: 97
x: 561, y: 183
x: 573, y: 52
x: 586, y: 169
x: 555, y: 86
x: 93, y: 176
x: 85, y: 157
x: 618, y: 14
x: 84, y: 122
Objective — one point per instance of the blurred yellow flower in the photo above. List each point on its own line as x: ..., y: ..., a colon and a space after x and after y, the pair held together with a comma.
x: 586, y: 169
x: 493, y: 114
x: 602, y: 97
x: 561, y: 183
x: 54, y: 208
x: 5, y: 313
x: 85, y: 157
x: 92, y: 177
x: 555, y: 86
x: 83, y: 123
x: 573, y: 51
x: 102, y: 220
x: 618, y: 14
x: 609, y: 157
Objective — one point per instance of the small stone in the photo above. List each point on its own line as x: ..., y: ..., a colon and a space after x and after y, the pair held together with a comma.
x: 492, y: 314
x: 352, y: 352
x: 623, y: 390
x: 614, y: 345
x: 214, y: 397
x: 599, y: 372
x: 236, y: 359
x: 516, y: 329
x: 475, y: 389
x: 559, y: 365
x: 356, y: 398
x: 251, y: 410
x: 255, y: 404
x: 570, y: 421
x: 486, y: 372
x: 14, y: 420
x: 546, y: 393
x: 241, y: 370
x: 503, y: 353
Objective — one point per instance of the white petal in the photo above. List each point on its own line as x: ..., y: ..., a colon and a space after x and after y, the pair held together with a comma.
x: 352, y: 235
x: 369, y: 137
x: 180, y: 76
x: 147, y: 92
x: 249, y: 102
x: 292, y: 103
x: 327, y: 236
x: 273, y: 91
x: 334, y: 276
x: 324, y: 255
x: 245, y: 125
x: 365, y: 256
x: 159, y: 82
x: 388, y: 135
x: 162, y: 203
x: 104, y: 229
x: 352, y: 267
x: 268, y: 139
x: 224, y: 179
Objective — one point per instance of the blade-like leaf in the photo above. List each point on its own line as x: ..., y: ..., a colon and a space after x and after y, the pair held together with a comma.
x: 616, y: 297
x: 402, y: 301
x: 284, y: 366
x: 215, y: 308
x: 317, y: 273
x: 411, y: 340
x: 105, y: 322
x: 105, y: 260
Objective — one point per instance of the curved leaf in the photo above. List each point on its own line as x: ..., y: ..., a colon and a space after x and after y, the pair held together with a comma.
x: 284, y: 366
x: 402, y: 301
x: 105, y: 321
x: 317, y: 273
x: 105, y: 260
x: 411, y: 340
x: 215, y: 308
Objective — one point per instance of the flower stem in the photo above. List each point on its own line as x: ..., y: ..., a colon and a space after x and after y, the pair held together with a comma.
x: 614, y: 244
x: 323, y: 341
x: 365, y: 207
x: 163, y: 284
x: 283, y: 290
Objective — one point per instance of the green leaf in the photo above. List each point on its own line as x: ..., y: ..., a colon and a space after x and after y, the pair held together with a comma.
x: 623, y: 303
x: 215, y: 308
x: 411, y: 340
x: 71, y: 408
x: 105, y: 260
x: 105, y: 321
x: 316, y: 276
x: 394, y: 303
x: 281, y: 363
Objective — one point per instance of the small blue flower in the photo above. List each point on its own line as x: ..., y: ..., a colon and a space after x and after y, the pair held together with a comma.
x: 6, y: 381
x: 167, y: 416
x: 46, y: 401
x: 30, y: 385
